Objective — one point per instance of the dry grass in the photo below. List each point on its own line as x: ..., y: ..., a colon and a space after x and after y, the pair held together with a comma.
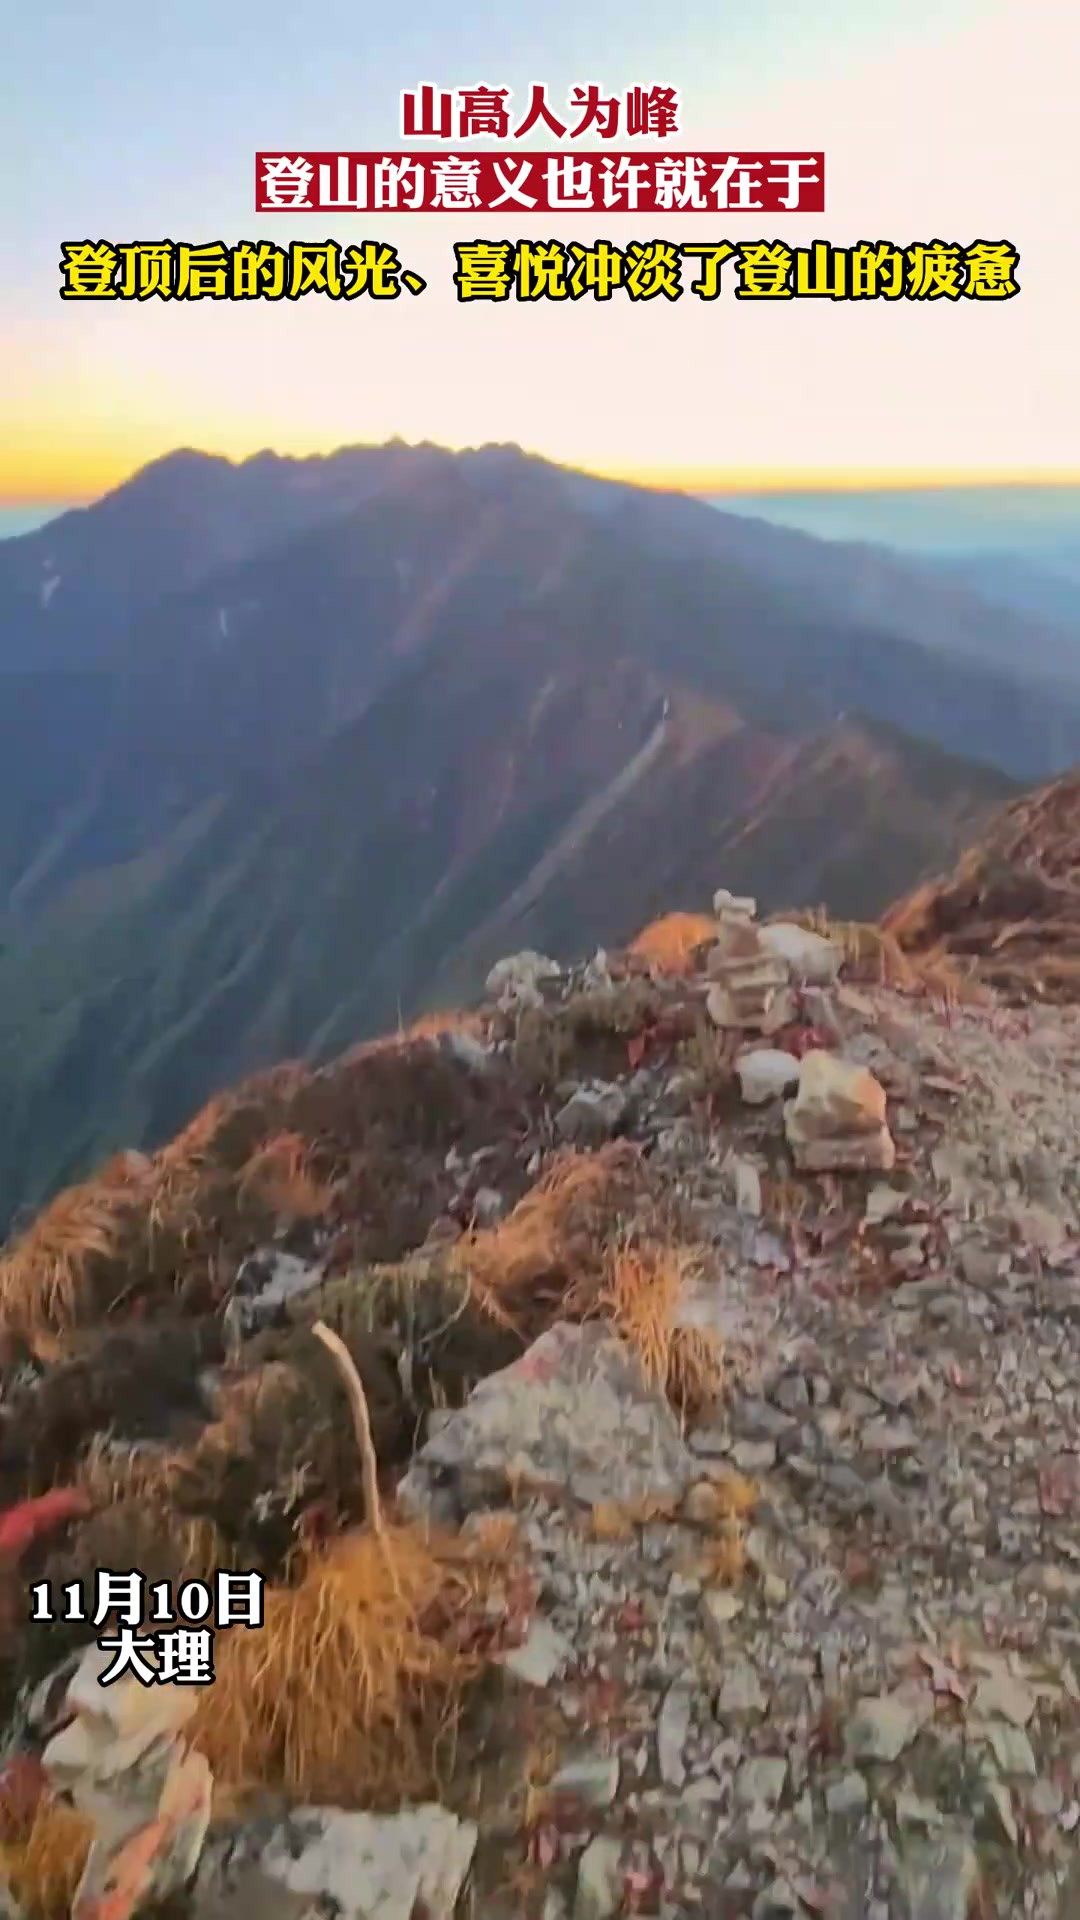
x: 281, y: 1177
x: 588, y: 1032
x: 43, y: 1855
x: 48, y: 1272
x: 427, y: 1026
x: 158, y: 1225
x: 874, y: 954
x: 668, y: 944
x: 695, y: 1373
x: 523, y: 1270
x: 640, y: 1293
x: 325, y: 1696
x: 708, y: 1055
x: 264, y: 1099
x: 720, y: 1506
x: 137, y: 1522
x: 1008, y: 914
x: 350, y: 1691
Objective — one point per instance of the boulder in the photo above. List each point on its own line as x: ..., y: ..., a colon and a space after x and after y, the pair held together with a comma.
x: 808, y: 956
x: 518, y: 977
x: 573, y: 1414
x: 836, y: 1123
x: 835, y: 1098
x: 765, y: 1073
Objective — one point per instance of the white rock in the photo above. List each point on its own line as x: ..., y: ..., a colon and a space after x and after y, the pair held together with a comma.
x: 541, y: 1656
x: 746, y: 1181
x: 718, y: 1610
x: 600, y: 1880
x: 520, y: 972
x: 738, y: 906
x: 765, y: 1073
x: 389, y: 1865
x: 672, y: 1732
x: 809, y: 956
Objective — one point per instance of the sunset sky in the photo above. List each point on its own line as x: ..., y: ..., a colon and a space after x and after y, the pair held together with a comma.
x: 939, y: 121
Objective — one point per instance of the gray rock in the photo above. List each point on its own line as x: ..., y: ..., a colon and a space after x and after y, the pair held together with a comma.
x: 672, y: 1732
x: 847, y: 1796
x: 574, y: 1413
x: 759, y: 1783
x: 488, y: 1206
x: 519, y: 972
x: 938, y: 1878
x: 592, y: 1778
x: 757, y: 1420
x: 591, y: 1116
x: 600, y: 1880
x: 888, y: 1436
x: 778, y: 1902
x: 1012, y: 1750
x: 741, y: 1691
x: 792, y: 1393
x: 881, y: 1728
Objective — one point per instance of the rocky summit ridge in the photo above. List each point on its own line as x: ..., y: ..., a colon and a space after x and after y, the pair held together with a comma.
x: 651, y: 1401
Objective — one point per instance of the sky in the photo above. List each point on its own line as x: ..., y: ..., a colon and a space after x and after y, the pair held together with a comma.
x: 939, y: 119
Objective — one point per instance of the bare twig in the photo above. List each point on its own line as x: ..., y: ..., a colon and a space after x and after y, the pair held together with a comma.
x: 361, y: 1420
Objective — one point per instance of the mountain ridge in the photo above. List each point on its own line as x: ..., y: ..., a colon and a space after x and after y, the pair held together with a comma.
x: 428, y: 708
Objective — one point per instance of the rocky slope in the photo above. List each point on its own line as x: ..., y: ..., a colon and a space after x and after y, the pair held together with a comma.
x: 755, y: 1573
x: 1009, y: 912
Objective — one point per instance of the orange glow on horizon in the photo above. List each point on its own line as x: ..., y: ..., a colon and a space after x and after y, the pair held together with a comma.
x: 37, y: 478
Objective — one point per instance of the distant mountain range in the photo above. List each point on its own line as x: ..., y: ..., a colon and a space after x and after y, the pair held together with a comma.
x: 293, y: 747
x: 1017, y: 547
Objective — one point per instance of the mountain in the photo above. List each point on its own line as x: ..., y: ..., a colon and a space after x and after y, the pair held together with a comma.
x: 1045, y: 584
x: 1031, y: 518
x: 292, y: 748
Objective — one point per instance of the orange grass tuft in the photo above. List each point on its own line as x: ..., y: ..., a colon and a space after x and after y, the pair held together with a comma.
x: 350, y: 1689
x: 47, y: 1272
x: 641, y: 1293
x: 524, y: 1269
x: 426, y: 1026
x: 279, y: 1174
x: 668, y: 943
